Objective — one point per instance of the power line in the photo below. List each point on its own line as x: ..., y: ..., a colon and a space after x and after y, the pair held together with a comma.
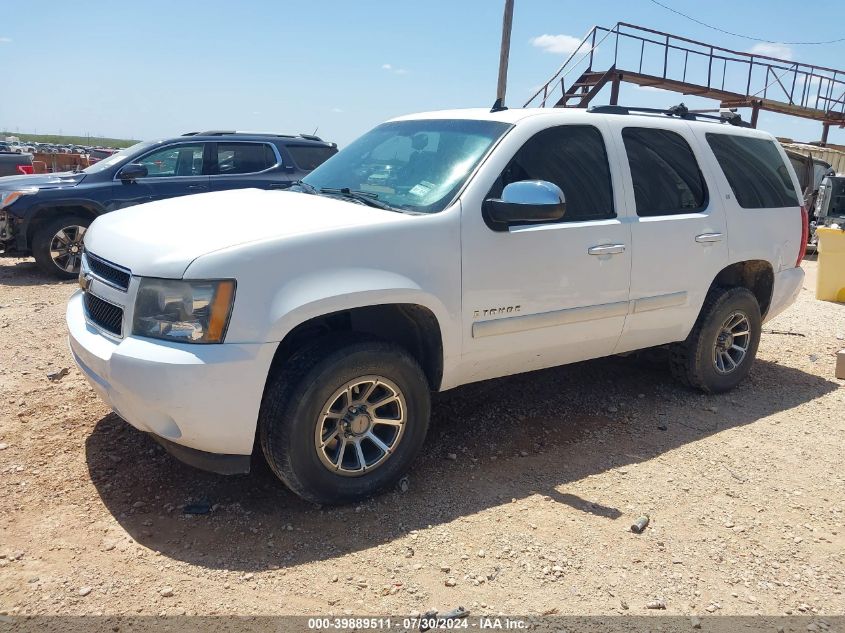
x: 747, y: 37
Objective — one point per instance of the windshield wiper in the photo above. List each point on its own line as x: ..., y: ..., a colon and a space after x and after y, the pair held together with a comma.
x: 364, y: 197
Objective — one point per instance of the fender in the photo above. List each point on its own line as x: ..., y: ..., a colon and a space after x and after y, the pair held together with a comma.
x: 87, y: 203
x: 337, y: 289
x: 42, y: 210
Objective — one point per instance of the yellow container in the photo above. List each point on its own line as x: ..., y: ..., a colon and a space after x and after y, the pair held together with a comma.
x: 830, y: 283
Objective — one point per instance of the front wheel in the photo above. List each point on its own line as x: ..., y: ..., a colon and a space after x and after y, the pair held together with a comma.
x: 57, y: 245
x: 344, y: 419
x: 721, y: 348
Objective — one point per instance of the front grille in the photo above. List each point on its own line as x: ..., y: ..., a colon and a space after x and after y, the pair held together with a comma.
x: 104, y: 314
x: 108, y: 272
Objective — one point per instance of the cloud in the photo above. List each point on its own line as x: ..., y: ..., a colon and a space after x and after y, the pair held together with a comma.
x: 337, y: 110
x: 557, y: 44
x: 781, y: 51
x: 5, y: 40
x: 392, y: 69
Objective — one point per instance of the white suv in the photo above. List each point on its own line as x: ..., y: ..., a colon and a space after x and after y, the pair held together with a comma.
x: 436, y: 250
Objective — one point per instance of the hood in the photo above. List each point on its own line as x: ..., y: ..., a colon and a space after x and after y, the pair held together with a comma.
x: 161, y: 239
x: 42, y: 181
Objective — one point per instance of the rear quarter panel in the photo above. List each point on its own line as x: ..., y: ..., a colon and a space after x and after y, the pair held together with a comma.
x: 769, y: 234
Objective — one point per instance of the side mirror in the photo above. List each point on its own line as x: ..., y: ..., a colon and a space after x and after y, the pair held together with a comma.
x: 526, y: 201
x: 132, y: 171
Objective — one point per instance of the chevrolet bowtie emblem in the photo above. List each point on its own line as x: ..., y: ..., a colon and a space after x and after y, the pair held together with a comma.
x: 85, y: 281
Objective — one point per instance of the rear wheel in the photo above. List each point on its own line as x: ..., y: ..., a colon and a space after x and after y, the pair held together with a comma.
x: 344, y: 419
x: 721, y: 348
x: 57, y: 246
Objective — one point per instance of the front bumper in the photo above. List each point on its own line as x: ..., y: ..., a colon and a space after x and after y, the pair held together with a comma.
x: 203, y: 397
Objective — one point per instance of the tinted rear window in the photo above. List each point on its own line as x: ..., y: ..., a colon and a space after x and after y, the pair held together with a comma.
x: 310, y: 157
x: 664, y: 172
x: 755, y: 171
x: 244, y: 158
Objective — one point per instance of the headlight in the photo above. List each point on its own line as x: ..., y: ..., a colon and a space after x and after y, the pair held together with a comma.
x: 8, y: 197
x: 184, y: 311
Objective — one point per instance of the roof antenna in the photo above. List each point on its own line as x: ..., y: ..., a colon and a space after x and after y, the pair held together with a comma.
x: 498, y: 106
x: 315, y: 131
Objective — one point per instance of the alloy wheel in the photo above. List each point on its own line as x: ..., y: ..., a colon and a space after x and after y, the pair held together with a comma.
x: 66, y: 248
x: 732, y: 343
x: 360, y: 426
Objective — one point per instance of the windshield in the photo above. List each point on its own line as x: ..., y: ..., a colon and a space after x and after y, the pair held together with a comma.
x: 117, y: 158
x: 417, y: 166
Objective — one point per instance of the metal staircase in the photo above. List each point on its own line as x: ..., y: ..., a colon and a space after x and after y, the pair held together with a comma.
x: 587, y: 86
x: 650, y: 58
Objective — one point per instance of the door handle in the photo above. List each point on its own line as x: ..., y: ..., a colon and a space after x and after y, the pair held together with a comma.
x: 706, y: 238
x: 279, y: 185
x: 197, y: 187
x: 606, y: 249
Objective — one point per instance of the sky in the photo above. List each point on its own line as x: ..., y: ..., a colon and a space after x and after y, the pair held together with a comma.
x: 161, y: 68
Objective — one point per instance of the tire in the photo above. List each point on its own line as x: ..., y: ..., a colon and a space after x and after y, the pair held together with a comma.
x: 297, y: 397
x: 700, y: 360
x: 73, y: 228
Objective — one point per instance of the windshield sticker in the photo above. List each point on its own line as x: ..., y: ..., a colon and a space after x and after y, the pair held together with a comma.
x: 421, y: 189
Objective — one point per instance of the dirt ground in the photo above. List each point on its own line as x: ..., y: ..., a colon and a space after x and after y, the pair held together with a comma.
x: 521, y: 503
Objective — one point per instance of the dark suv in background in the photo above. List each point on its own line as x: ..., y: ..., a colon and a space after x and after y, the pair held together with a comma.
x: 46, y: 215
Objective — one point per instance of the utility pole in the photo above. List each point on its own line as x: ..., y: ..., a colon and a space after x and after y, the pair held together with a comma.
x: 504, y: 54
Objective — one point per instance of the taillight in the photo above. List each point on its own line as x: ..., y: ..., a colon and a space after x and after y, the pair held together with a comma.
x: 26, y: 170
x: 805, y: 235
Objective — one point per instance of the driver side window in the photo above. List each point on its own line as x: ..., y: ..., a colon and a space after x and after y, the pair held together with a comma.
x: 575, y: 159
x: 175, y: 160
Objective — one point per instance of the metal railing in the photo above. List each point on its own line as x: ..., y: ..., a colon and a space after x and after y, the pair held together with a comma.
x: 679, y: 59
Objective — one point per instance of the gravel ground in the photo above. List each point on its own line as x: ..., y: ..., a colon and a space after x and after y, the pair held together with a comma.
x: 521, y: 503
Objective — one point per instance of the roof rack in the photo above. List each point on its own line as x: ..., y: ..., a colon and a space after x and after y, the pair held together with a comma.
x: 681, y: 111
x: 308, y: 137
